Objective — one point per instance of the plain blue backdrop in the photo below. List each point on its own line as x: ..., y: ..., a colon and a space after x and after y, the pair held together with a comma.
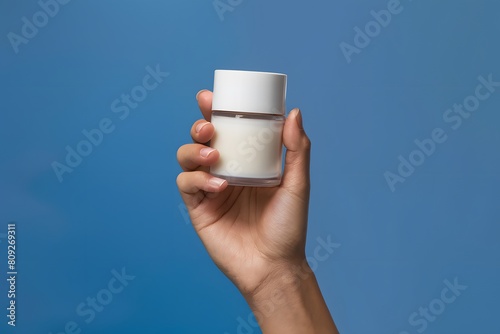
x: 120, y: 208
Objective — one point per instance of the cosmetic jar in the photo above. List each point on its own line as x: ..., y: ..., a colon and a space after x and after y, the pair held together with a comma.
x: 248, y: 116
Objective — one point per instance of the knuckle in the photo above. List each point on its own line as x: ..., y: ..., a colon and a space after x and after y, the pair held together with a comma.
x: 306, y: 142
x: 180, y: 179
x: 180, y: 153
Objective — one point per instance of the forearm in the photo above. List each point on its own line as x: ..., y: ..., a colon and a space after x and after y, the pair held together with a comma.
x: 290, y: 301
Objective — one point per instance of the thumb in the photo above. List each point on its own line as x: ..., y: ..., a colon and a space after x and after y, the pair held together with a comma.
x: 298, y: 145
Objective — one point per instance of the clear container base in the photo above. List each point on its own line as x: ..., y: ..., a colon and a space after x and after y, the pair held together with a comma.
x: 250, y: 182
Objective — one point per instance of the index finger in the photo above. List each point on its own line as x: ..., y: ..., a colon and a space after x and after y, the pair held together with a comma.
x: 204, y: 98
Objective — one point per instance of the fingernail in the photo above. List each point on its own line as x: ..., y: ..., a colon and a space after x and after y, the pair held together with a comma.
x: 198, y: 94
x: 205, y: 152
x: 298, y: 118
x: 216, y: 182
x: 200, y: 126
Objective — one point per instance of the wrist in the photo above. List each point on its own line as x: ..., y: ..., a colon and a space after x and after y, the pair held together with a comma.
x: 284, y: 279
x: 289, y: 301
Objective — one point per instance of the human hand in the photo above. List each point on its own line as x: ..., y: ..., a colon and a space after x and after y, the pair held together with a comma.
x: 256, y: 236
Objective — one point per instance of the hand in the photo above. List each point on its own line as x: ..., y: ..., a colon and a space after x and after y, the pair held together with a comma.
x: 256, y: 236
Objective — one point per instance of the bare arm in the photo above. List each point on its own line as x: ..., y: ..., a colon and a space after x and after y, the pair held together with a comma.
x: 289, y: 302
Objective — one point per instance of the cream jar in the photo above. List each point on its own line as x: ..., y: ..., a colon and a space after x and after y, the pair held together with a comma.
x: 248, y: 116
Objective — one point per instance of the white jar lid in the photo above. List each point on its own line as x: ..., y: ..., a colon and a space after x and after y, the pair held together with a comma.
x: 248, y: 91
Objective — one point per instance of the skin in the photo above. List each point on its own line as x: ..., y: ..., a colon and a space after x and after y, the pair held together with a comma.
x: 257, y: 236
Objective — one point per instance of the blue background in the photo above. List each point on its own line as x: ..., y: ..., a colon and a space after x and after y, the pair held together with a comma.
x: 120, y: 206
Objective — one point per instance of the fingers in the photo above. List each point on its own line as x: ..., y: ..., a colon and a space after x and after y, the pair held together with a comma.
x: 204, y: 98
x: 192, y: 156
x: 190, y: 183
x: 296, y: 173
x: 202, y: 131
x: 193, y: 182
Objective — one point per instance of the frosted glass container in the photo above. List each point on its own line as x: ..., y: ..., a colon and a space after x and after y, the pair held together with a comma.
x: 248, y: 117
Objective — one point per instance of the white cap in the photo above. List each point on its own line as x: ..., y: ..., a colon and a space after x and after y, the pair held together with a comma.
x: 247, y: 91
